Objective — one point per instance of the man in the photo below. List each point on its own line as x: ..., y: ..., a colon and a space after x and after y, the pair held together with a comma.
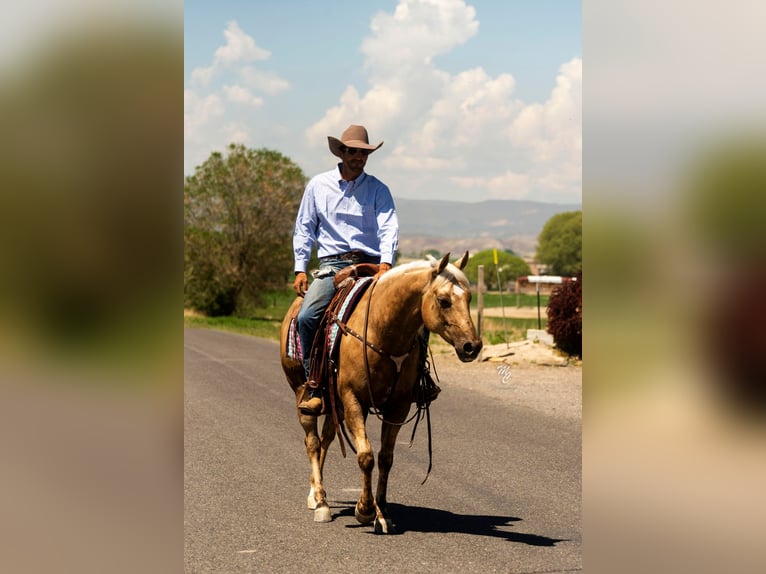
x: 350, y: 216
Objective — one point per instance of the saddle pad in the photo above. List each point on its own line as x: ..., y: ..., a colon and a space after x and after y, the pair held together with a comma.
x: 348, y: 305
x: 294, y: 350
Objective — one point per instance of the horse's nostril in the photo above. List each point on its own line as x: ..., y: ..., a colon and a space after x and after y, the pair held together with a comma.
x: 471, y: 349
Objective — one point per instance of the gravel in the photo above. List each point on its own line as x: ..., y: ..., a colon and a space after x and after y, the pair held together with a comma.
x: 525, y: 373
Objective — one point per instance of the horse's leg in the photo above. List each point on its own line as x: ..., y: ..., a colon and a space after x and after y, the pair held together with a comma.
x: 388, y: 434
x: 365, y: 511
x: 328, y: 435
x: 317, y: 498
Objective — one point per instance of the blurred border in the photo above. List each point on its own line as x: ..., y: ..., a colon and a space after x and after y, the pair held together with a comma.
x: 90, y: 295
x: 674, y: 164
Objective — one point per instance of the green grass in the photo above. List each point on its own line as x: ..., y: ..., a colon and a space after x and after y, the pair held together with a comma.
x: 267, y: 329
x: 493, y: 332
x: 510, y: 300
x: 261, y: 321
x: 265, y: 320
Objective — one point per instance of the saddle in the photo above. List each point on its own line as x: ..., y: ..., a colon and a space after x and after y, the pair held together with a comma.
x: 350, y: 283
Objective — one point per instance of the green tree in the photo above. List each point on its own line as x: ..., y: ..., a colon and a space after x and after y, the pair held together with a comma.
x: 511, y: 266
x: 559, y: 245
x: 239, y: 212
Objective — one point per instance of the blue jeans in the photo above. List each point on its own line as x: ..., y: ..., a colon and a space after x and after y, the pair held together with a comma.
x: 315, y: 302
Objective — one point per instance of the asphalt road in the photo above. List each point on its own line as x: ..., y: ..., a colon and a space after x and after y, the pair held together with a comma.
x: 504, y: 494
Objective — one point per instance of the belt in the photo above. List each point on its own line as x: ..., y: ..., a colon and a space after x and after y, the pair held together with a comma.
x: 352, y: 256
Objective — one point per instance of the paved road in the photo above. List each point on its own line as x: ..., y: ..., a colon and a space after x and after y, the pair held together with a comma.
x: 504, y: 494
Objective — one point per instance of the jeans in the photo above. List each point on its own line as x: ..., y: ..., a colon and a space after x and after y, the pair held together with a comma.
x: 315, y: 302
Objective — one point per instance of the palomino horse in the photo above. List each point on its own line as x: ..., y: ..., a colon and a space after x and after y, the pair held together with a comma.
x: 389, y: 320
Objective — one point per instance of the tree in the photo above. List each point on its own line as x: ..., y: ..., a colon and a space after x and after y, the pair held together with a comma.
x: 239, y: 213
x: 511, y: 266
x: 559, y: 245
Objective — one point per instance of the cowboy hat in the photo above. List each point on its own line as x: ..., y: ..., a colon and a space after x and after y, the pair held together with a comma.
x: 354, y: 137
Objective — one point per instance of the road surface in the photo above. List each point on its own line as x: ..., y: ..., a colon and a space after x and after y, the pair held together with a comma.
x: 503, y: 496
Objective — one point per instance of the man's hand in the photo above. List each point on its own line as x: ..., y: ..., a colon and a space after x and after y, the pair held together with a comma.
x: 382, y: 268
x: 301, y: 283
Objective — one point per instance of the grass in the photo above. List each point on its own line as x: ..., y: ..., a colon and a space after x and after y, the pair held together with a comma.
x: 510, y: 300
x: 493, y: 332
x: 260, y: 321
x: 264, y: 320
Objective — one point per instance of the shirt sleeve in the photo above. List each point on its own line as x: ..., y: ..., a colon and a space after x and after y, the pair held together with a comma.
x: 388, y: 225
x: 305, y: 233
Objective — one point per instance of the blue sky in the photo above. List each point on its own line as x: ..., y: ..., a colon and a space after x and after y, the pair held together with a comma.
x: 474, y: 100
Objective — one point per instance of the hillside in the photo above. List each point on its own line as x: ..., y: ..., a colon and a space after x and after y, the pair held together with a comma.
x: 456, y: 226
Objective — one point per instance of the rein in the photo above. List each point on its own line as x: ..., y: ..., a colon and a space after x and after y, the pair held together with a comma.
x: 423, y: 373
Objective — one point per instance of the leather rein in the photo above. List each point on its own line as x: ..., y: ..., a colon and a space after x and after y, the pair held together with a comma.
x: 398, y: 361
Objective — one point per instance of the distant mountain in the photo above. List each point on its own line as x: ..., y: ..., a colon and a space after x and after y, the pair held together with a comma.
x: 456, y: 226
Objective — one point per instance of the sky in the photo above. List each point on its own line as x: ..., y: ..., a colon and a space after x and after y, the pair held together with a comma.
x: 474, y: 100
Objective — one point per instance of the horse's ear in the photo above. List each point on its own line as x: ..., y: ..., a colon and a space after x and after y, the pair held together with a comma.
x: 442, y: 264
x: 463, y: 260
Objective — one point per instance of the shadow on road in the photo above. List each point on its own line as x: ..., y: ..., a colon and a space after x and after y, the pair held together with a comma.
x: 419, y: 519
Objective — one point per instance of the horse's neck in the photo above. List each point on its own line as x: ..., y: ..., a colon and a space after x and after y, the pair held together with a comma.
x: 396, y: 308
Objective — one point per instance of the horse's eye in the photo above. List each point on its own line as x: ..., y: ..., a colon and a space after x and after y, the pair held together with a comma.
x: 445, y: 303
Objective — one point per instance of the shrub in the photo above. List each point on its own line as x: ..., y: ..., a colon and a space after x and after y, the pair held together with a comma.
x: 565, y: 316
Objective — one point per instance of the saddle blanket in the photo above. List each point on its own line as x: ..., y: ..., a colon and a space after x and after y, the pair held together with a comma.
x: 294, y: 349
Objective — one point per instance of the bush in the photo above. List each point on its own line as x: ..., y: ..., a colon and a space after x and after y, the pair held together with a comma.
x: 565, y: 316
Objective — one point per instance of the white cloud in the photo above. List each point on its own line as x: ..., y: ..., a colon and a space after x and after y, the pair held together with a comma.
x: 553, y: 130
x: 240, y: 95
x: 463, y: 131
x: 240, y: 48
x: 417, y: 31
x: 199, y: 112
x: 213, y: 107
x: 263, y: 81
x: 508, y: 185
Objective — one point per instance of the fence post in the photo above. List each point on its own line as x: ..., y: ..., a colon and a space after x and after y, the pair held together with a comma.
x: 480, y: 299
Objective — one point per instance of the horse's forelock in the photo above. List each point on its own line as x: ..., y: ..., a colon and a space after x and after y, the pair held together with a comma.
x: 453, y: 275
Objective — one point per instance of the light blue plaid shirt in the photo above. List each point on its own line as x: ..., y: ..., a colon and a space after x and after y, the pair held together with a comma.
x: 340, y: 216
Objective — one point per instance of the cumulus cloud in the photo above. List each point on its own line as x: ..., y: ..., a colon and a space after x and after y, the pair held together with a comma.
x: 240, y: 95
x: 507, y: 185
x: 240, y: 48
x: 217, y: 91
x: 263, y: 81
x: 417, y: 31
x: 198, y: 112
x: 468, y: 130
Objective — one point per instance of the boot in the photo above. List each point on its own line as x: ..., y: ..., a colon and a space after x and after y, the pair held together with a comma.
x: 426, y: 390
x: 311, y: 403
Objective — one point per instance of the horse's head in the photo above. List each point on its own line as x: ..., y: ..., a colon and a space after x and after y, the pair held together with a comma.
x: 446, y: 308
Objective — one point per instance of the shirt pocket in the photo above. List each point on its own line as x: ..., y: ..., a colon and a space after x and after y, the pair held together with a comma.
x: 358, y: 214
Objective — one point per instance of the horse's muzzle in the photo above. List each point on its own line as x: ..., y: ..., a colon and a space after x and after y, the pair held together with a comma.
x: 468, y: 351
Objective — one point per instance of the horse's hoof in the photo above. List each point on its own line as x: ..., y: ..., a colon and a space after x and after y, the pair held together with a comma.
x: 364, y: 518
x: 384, y: 526
x: 322, y: 514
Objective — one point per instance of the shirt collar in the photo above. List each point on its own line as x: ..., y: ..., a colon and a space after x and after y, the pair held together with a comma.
x: 353, y: 183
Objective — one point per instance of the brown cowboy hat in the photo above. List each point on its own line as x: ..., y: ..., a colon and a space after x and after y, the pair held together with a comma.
x: 355, y: 137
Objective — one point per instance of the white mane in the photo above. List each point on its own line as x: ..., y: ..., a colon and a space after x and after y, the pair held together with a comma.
x: 424, y: 264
